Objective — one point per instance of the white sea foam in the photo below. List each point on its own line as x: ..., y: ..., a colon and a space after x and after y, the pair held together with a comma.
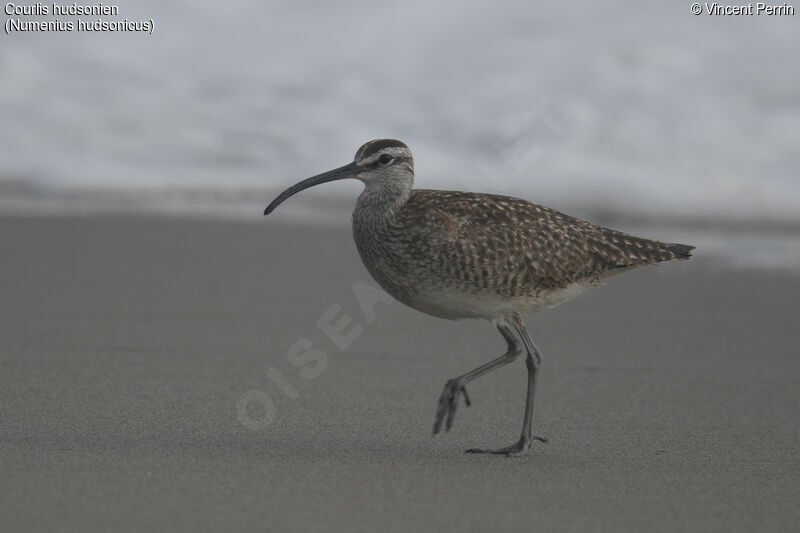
x: 632, y: 108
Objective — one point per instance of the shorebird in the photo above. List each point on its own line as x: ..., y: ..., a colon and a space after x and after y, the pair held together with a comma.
x: 460, y: 255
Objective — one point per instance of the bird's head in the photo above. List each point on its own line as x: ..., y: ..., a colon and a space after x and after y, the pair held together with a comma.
x: 378, y: 164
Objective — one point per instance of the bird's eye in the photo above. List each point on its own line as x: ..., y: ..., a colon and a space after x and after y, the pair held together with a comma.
x: 385, y: 159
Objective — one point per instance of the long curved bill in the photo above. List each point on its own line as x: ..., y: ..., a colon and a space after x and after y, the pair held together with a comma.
x: 348, y: 171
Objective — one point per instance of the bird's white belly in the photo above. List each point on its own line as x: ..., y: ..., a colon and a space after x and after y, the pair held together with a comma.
x: 455, y: 304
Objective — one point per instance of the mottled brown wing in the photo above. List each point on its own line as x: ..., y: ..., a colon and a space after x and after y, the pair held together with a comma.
x: 514, y: 246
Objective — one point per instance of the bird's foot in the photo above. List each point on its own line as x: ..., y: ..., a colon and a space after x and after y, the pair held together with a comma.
x: 448, y: 404
x: 520, y: 447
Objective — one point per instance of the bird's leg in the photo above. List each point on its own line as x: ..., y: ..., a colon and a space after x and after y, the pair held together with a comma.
x: 448, y: 401
x: 533, y: 361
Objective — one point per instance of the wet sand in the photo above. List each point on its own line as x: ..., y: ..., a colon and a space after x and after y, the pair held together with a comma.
x: 671, y: 397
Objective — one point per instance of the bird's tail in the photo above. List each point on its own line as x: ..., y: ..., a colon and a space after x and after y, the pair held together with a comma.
x: 680, y: 251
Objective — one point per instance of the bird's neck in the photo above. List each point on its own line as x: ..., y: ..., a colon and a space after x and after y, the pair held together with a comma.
x: 380, y: 202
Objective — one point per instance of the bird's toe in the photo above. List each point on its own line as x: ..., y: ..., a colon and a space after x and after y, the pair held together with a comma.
x: 448, y: 405
x: 520, y: 447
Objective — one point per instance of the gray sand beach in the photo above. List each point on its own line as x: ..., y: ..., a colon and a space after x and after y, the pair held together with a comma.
x: 671, y: 397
